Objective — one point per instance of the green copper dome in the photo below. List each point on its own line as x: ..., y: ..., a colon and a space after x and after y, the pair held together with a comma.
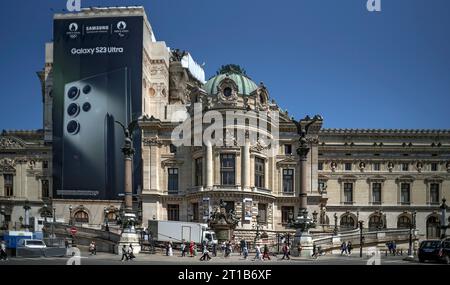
x: 235, y: 73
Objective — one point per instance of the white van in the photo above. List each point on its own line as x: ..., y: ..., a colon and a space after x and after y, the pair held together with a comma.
x: 31, y: 243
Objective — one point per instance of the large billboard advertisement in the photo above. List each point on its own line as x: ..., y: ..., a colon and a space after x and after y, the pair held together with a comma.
x: 97, y: 81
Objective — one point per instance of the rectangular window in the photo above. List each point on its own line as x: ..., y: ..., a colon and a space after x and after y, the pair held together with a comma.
x: 287, y: 149
x: 195, y: 212
x: 262, y: 213
x: 199, y: 172
x: 259, y: 172
x: 173, y: 181
x: 288, y: 180
x: 320, y: 166
x: 376, y: 166
x: 405, y: 166
x: 376, y: 193
x: 173, y: 212
x: 45, y: 189
x: 434, y: 193
x: 285, y: 211
x: 434, y: 166
x: 228, y: 169
x: 173, y: 149
x: 405, y: 193
x: 348, y: 166
x: 9, y: 185
x: 45, y: 164
x: 348, y: 193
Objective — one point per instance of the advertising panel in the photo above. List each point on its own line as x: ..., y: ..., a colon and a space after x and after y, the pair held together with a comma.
x: 248, y: 206
x: 206, y: 206
x: 97, y: 81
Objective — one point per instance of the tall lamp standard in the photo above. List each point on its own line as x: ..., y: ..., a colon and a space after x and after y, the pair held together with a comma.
x: 105, y: 210
x: 444, y: 225
x: 53, y: 224
x: 304, y: 223
x: 2, y: 212
x: 27, y: 209
x: 361, y: 238
x: 412, y: 227
x: 70, y: 215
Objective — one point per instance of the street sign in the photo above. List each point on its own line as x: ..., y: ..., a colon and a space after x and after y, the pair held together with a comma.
x: 73, y: 230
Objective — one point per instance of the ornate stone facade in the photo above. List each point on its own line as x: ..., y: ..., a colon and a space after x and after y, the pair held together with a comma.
x: 377, y: 176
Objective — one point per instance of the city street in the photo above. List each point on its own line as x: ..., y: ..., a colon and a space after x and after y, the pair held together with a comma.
x: 234, y: 259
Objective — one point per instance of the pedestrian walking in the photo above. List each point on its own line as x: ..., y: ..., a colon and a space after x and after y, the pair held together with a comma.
x: 3, y: 254
x: 183, y: 249
x: 214, y: 249
x: 130, y: 252
x: 344, y: 248
x: 191, y: 248
x: 227, y: 249
x: 170, y: 249
x: 315, y: 253
x: 349, y: 247
x: 124, y: 253
x: 205, y: 255
x: 266, y: 252
x: 286, y: 252
x: 244, y: 248
x: 93, y: 248
x: 258, y: 253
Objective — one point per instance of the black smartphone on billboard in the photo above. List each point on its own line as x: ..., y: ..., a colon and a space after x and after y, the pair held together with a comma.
x: 91, y: 142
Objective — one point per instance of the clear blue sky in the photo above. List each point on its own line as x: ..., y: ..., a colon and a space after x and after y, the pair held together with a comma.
x: 357, y: 69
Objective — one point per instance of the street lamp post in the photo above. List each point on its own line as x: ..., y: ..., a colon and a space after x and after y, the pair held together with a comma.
x: 444, y: 225
x: 105, y: 210
x: 335, y: 231
x: 53, y: 224
x: 3, y: 213
x: 304, y: 223
x: 70, y: 215
x: 27, y: 209
x: 412, y: 226
x: 361, y: 238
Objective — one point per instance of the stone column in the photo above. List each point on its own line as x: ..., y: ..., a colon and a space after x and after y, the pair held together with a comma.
x: 128, y: 184
x: 246, y: 165
x: 209, y: 166
x: 154, y: 166
x: 303, y: 183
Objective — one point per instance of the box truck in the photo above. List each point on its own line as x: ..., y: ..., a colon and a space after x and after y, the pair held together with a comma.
x: 177, y: 232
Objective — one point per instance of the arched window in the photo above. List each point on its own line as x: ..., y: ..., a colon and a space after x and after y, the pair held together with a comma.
x: 81, y: 217
x: 403, y: 222
x: 433, y: 227
x: 375, y: 222
x: 347, y: 222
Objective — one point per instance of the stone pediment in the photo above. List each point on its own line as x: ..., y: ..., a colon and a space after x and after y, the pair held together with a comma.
x: 376, y: 178
x: 11, y: 143
x: 171, y: 162
x: 405, y: 178
x: 347, y: 178
x: 434, y: 179
x: 288, y: 161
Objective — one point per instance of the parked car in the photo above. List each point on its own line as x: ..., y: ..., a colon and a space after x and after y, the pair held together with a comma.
x: 435, y: 250
x: 31, y: 243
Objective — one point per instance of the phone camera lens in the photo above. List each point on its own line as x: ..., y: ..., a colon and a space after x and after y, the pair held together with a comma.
x: 73, y: 127
x: 73, y: 93
x: 87, y: 89
x: 73, y: 110
x: 87, y: 107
